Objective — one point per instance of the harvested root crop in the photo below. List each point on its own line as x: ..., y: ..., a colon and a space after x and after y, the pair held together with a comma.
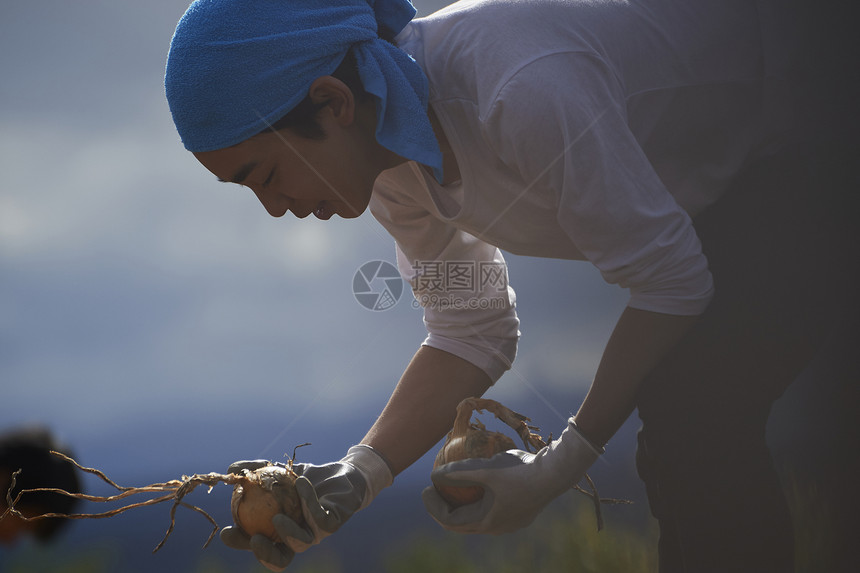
x: 470, y: 439
x: 257, y: 496
x: 264, y: 493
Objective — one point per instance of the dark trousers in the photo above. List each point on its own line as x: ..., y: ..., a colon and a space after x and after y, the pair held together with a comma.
x: 782, y: 250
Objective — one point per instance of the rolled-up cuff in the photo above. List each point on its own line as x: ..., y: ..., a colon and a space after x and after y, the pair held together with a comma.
x: 373, y: 467
x: 493, y: 361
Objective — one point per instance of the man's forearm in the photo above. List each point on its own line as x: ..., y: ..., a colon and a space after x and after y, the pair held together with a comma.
x: 640, y: 340
x: 422, y: 407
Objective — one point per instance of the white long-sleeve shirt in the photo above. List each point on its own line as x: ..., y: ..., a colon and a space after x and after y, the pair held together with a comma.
x: 585, y: 130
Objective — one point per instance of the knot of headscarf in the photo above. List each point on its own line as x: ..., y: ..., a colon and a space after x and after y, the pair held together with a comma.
x: 237, y: 66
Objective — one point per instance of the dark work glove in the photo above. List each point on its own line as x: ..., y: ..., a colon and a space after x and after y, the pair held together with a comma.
x: 330, y: 494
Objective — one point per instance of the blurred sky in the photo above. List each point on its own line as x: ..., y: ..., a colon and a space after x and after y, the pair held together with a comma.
x: 154, y: 318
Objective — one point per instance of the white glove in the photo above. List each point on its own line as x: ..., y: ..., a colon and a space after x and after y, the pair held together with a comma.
x: 517, y: 485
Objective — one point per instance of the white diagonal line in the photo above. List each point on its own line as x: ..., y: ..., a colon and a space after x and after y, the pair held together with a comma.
x: 531, y: 386
x: 519, y: 375
x: 543, y: 172
x: 315, y: 171
x: 504, y: 359
x: 323, y: 391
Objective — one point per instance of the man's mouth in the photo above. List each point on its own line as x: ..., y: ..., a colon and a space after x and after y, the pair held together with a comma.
x: 323, y: 211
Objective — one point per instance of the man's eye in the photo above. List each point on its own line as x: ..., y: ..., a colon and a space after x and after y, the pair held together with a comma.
x: 269, y: 178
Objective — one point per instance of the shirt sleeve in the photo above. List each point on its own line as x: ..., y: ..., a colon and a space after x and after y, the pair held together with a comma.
x: 460, y: 282
x: 561, y: 122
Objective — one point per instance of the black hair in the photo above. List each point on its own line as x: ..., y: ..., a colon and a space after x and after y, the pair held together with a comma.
x: 302, y: 119
x: 28, y: 450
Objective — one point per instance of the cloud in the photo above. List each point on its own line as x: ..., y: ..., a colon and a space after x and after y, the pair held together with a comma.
x: 131, y: 274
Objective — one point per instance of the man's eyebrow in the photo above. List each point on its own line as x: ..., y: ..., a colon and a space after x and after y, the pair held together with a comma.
x: 241, y: 174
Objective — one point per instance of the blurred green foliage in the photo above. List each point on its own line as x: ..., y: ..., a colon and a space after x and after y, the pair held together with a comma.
x: 814, y: 525
x: 91, y: 560
x: 565, y: 539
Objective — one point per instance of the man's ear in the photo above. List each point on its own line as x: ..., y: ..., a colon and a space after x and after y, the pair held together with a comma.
x: 337, y: 96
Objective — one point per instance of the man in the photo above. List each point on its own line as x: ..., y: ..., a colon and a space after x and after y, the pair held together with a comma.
x: 654, y: 139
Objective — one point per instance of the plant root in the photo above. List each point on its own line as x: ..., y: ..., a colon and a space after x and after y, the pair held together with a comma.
x: 175, y: 490
x: 597, y: 500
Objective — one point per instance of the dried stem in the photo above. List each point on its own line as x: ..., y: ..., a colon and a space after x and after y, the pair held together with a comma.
x: 517, y: 422
x: 177, y: 490
x: 595, y: 497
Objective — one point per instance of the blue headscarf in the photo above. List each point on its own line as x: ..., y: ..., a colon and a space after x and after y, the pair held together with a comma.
x: 237, y: 66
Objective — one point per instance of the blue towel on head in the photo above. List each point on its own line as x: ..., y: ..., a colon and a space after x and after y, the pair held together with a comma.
x: 237, y: 66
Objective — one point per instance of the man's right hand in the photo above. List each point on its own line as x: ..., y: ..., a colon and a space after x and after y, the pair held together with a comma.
x: 330, y: 494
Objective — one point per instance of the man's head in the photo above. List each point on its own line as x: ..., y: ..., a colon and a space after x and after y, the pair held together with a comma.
x: 236, y: 69
x: 321, y: 157
x: 29, y: 450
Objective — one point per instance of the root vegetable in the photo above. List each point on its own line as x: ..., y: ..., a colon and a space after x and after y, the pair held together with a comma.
x: 263, y: 493
x: 471, y: 439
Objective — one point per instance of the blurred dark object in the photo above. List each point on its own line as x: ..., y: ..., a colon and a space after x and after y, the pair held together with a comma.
x: 29, y: 449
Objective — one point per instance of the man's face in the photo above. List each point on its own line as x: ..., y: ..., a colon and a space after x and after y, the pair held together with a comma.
x: 332, y: 176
